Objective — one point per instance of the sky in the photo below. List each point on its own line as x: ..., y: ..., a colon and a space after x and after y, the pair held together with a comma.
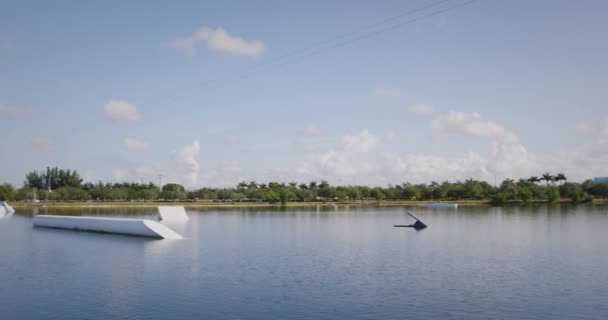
x: 210, y: 93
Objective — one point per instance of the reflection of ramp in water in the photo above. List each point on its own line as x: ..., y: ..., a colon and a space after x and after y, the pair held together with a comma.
x: 172, y: 214
x: 418, y: 225
x: 132, y: 227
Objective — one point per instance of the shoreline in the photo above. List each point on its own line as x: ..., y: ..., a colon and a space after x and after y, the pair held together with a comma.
x: 364, y: 203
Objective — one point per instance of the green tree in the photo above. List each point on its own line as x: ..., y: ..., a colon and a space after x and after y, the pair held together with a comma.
x: 35, y: 180
x: 569, y: 188
x: 252, y: 185
x: 472, y: 189
x: 148, y: 194
x: 7, y: 192
x: 599, y: 190
x: 547, y: 177
x: 285, y: 195
x: 410, y: 192
x: 312, y: 185
x: 499, y: 198
x: 525, y: 194
x: 305, y: 195
x: 575, y: 196
x: 560, y: 177
x: 272, y: 196
x: 377, y: 194
x: 509, y: 188
x: 552, y: 194
x: 173, y: 191
x: 53, y: 178
x: 71, y: 193
x: 242, y: 185
x: 25, y: 194
x: 324, y: 189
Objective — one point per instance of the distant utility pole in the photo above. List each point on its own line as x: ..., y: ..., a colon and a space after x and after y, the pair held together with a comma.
x: 48, y: 183
x: 160, y: 182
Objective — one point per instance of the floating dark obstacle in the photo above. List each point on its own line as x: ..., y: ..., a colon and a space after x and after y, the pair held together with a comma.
x: 418, y: 225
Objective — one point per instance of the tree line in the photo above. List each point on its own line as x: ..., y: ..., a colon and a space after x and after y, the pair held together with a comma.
x: 56, y: 184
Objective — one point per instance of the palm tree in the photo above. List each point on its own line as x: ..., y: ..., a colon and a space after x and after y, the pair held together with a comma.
x: 312, y: 185
x: 560, y: 177
x: 523, y: 182
x: 547, y: 177
x: 534, y: 179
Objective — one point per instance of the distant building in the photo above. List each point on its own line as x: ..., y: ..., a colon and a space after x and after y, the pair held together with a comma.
x: 600, y: 179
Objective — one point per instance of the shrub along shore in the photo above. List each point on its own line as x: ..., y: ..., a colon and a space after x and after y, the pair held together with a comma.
x: 57, y: 187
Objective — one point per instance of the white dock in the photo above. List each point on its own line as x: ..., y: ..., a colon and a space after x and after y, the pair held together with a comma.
x: 133, y: 227
x: 440, y: 205
x: 172, y: 214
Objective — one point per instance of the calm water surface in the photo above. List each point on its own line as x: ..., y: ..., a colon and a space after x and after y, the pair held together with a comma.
x: 473, y: 263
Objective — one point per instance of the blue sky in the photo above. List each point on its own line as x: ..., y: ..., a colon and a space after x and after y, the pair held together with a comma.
x: 202, y: 92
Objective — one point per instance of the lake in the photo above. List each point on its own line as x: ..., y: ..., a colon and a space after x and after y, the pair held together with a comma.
x: 541, y: 262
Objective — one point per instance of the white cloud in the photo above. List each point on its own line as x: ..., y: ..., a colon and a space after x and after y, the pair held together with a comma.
x: 334, y: 165
x: 135, y: 145
x: 13, y: 111
x: 421, y: 109
x: 120, y: 110
x: 312, y: 130
x: 386, y: 92
x: 506, y: 158
x: 184, y: 166
x: 349, y: 161
x: 44, y: 144
x: 217, y: 39
x: 361, y: 159
x: 507, y: 152
x: 420, y: 167
x: 363, y: 142
x: 470, y: 124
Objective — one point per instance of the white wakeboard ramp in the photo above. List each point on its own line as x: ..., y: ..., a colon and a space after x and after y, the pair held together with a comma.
x: 133, y: 227
x: 172, y: 214
x: 5, y: 209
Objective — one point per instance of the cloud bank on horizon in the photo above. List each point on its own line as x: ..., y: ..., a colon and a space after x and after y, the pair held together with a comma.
x: 357, y: 159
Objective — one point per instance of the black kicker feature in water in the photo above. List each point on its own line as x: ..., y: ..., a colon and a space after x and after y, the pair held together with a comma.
x: 418, y: 225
